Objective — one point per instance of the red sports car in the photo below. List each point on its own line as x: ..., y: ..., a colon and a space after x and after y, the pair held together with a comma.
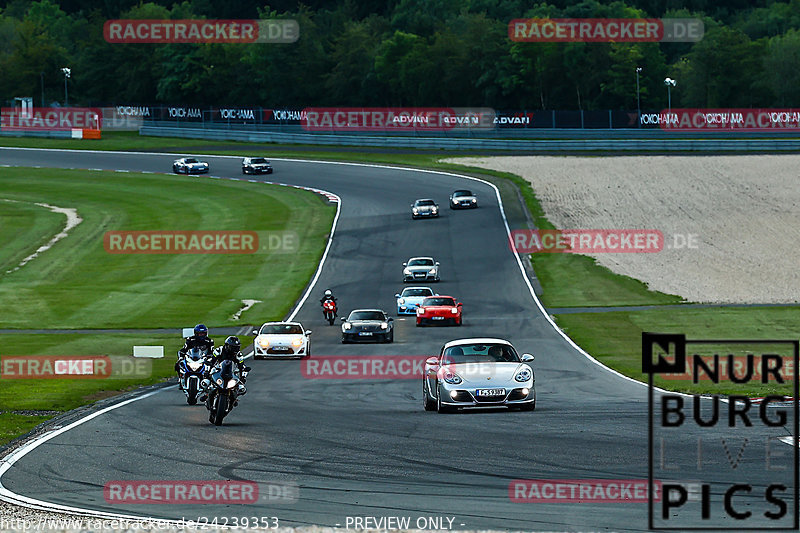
x: 438, y: 310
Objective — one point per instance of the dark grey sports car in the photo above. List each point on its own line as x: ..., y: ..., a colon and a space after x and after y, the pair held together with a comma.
x: 367, y: 324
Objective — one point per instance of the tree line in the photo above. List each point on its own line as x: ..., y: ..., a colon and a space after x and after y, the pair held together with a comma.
x: 451, y: 53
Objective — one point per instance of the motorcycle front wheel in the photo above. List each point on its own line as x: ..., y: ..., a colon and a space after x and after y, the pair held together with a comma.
x: 221, y: 409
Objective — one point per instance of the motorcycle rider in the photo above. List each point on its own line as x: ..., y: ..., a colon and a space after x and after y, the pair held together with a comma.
x: 200, y: 339
x: 231, y: 350
x: 327, y: 297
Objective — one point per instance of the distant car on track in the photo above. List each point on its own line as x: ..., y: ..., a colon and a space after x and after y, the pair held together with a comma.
x: 189, y: 165
x: 256, y: 165
x: 421, y: 268
x: 410, y: 298
x: 439, y: 310
x: 481, y: 372
x: 282, y: 339
x: 463, y: 199
x: 367, y: 324
x: 424, y: 208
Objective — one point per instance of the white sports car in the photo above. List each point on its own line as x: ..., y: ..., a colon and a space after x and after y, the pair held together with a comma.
x: 189, y: 165
x: 282, y: 339
x: 478, y: 373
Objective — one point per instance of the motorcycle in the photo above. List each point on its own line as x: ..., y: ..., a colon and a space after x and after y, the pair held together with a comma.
x: 192, y: 368
x: 329, y: 311
x: 222, y: 389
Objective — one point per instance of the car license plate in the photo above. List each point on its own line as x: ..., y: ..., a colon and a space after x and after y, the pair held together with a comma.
x: 281, y: 348
x: 438, y: 318
x: 491, y: 392
x: 365, y: 333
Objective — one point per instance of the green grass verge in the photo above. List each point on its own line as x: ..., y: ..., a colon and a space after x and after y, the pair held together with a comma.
x: 57, y: 394
x: 13, y: 425
x: 78, y: 284
x: 615, y: 338
x: 48, y: 395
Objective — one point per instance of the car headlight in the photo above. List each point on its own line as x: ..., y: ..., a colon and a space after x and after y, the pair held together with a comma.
x: 455, y: 201
x: 523, y: 375
x: 347, y: 325
x: 454, y: 310
x: 432, y: 271
x: 264, y: 342
x: 415, y: 211
x: 384, y: 325
x: 401, y: 301
x: 420, y: 311
x: 451, y: 377
x: 434, y: 209
x: 297, y: 342
x: 474, y: 200
x: 406, y: 272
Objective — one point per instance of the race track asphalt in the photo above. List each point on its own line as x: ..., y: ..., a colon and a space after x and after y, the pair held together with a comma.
x: 366, y: 447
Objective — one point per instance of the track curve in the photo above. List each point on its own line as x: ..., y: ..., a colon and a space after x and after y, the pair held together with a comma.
x: 366, y: 448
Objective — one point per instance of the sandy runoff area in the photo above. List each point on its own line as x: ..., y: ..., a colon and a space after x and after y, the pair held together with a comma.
x: 741, y: 214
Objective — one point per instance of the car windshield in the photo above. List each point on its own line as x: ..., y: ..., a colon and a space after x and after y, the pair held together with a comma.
x: 422, y: 203
x: 417, y: 292
x: 366, y: 315
x: 479, y: 353
x: 190, y: 160
x: 259, y: 160
x: 281, y: 329
x: 420, y: 262
x: 462, y: 193
x: 438, y: 301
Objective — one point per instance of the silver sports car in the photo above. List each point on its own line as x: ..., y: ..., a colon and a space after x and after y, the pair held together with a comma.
x: 424, y: 207
x: 478, y: 373
x: 421, y: 268
x: 366, y: 325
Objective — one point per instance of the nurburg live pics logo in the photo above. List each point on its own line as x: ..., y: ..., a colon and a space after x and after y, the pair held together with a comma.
x: 725, y: 454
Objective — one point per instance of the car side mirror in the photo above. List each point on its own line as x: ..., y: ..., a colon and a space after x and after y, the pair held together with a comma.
x: 527, y: 358
x: 255, y: 332
x: 459, y: 304
x: 432, y: 361
x: 390, y: 319
x: 308, y: 332
x: 342, y: 318
x: 397, y: 296
x: 437, y: 263
x: 405, y: 264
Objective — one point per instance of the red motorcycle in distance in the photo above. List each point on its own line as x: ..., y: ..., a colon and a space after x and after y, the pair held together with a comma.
x: 329, y: 311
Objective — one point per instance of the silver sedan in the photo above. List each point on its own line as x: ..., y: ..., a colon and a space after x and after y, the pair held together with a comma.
x: 481, y: 372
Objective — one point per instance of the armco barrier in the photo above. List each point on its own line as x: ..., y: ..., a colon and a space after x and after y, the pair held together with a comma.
x: 537, y: 145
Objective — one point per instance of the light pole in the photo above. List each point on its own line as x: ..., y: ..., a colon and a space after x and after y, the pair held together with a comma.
x: 638, y: 103
x: 670, y: 83
x: 67, y: 72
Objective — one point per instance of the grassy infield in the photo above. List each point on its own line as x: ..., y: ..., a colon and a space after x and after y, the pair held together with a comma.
x: 165, y: 291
